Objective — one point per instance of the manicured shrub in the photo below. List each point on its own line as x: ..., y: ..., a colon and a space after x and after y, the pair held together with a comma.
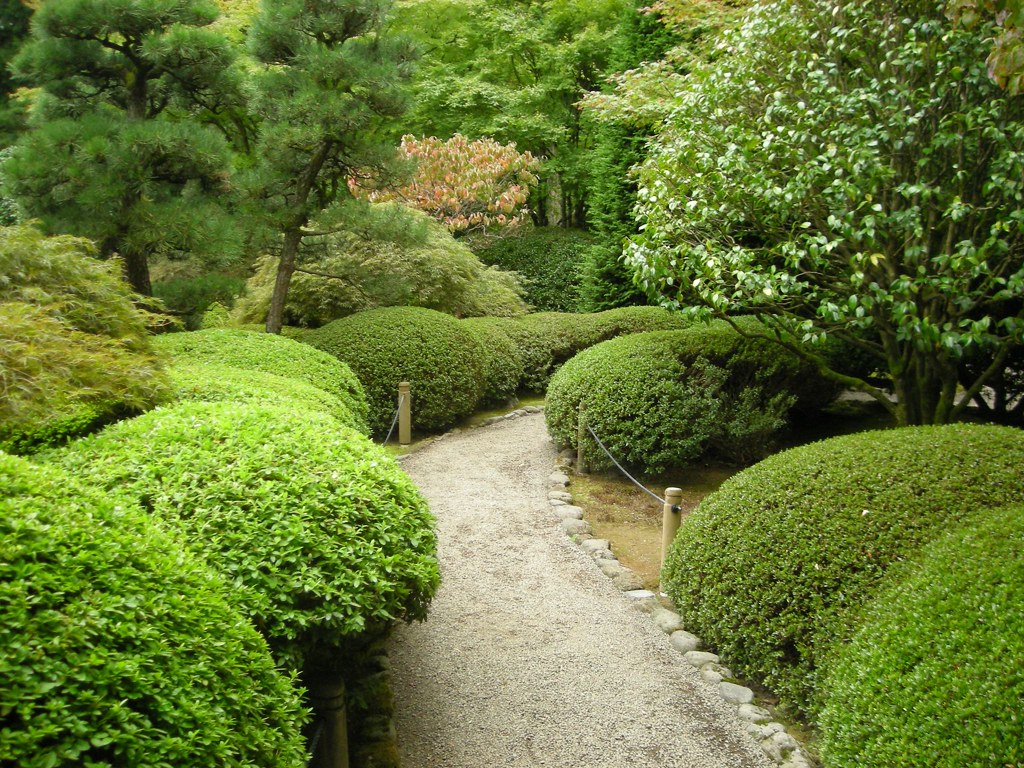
x: 117, y: 647
x: 211, y: 383
x: 550, y: 258
x: 666, y: 398
x: 274, y: 354
x: 74, y: 350
x: 502, y: 360
x: 933, y: 675
x: 320, y: 532
x: 191, y: 297
x: 434, y: 352
x: 769, y: 567
x: 548, y: 339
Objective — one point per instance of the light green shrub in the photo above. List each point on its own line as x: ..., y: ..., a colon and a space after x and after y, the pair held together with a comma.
x: 933, y: 675
x: 274, y: 354
x: 502, y: 360
x: 211, y: 383
x: 117, y: 647
x: 768, y: 568
x: 434, y: 352
x: 666, y: 398
x: 320, y: 532
x: 74, y: 351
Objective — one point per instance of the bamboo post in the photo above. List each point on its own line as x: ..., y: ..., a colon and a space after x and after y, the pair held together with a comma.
x: 327, y: 698
x: 670, y: 518
x: 581, y: 438
x: 404, y: 413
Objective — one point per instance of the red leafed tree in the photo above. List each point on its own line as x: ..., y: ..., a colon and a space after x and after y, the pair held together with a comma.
x: 466, y: 185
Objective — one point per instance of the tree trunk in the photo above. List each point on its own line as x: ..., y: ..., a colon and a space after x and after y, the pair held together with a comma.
x: 136, y: 272
x: 285, y: 270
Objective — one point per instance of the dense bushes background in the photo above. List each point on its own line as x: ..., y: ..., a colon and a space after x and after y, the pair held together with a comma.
x: 663, y: 399
x: 769, y: 567
x: 933, y: 675
x: 441, y: 358
x: 74, y: 351
x: 190, y: 297
x: 270, y: 353
x: 550, y: 258
x: 119, y: 648
x: 320, y: 532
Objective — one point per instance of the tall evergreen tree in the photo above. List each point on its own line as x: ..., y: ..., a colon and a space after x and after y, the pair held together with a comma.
x: 14, y: 18
x: 115, y: 151
x: 332, y: 77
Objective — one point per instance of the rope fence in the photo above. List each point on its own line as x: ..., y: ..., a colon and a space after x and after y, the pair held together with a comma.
x: 394, y: 421
x: 622, y: 469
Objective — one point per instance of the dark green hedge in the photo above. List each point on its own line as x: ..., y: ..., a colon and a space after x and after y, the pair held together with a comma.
x: 934, y: 674
x: 434, y: 352
x: 502, y: 360
x: 212, y: 383
x: 271, y: 354
x: 547, y: 339
x: 118, y: 648
x: 550, y: 258
x: 769, y: 567
x: 319, y: 530
x: 663, y: 399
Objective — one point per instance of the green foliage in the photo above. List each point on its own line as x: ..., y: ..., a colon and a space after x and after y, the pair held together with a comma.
x: 548, y: 339
x: 1006, y: 60
x: 332, y: 75
x: 115, y: 153
x: 665, y: 399
x: 549, y: 258
x: 74, y: 352
x: 434, y: 352
x: 212, y: 383
x: 418, y: 265
x: 321, y: 534
x: 192, y: 296
x: 502, y: 360
x: 119, y: 648
x: 933, y: 675
x: 272, y: 354
x: 515, y: 72
x: 771, y: 568
x: 868, y: 175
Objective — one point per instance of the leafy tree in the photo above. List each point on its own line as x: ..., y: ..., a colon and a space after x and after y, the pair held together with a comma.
x: 1006, y: 59
x: 331, y: 77
x: 466, y: 185
x: 14, y: 17
x: 864, y: 182
x: 514, y: 72
x: 113, y: 154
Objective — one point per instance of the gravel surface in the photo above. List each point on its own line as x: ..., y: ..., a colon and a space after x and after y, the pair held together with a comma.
x: 530, y: 657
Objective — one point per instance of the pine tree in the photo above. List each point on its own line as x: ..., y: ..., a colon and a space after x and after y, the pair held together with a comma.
x: 332, y: 77
x: 115, y: 150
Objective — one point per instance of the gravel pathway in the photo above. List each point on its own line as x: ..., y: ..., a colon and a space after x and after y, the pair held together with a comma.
x: 530, y: 656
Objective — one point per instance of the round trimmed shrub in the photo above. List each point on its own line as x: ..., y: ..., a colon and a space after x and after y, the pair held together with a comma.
x: 74, y: 350
x: 117, y: 647
x: 666, y: 398
x: 502, y: 360
x: 933, y: 675
x: 320, y: 531
x: 769, y: 567
x: 274, y: 354
x: 211, y: 383
x: 439, y: 356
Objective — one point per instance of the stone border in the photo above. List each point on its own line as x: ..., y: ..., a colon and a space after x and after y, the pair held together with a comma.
x: 771, y: 736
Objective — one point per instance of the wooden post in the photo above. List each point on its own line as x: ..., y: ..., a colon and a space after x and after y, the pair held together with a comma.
x: 404, y: 413
x: 327, y: 698
x: 670, y: 518
x: 582, y: 436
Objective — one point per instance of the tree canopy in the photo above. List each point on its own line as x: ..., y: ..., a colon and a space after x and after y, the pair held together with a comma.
x: 848, y: 169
